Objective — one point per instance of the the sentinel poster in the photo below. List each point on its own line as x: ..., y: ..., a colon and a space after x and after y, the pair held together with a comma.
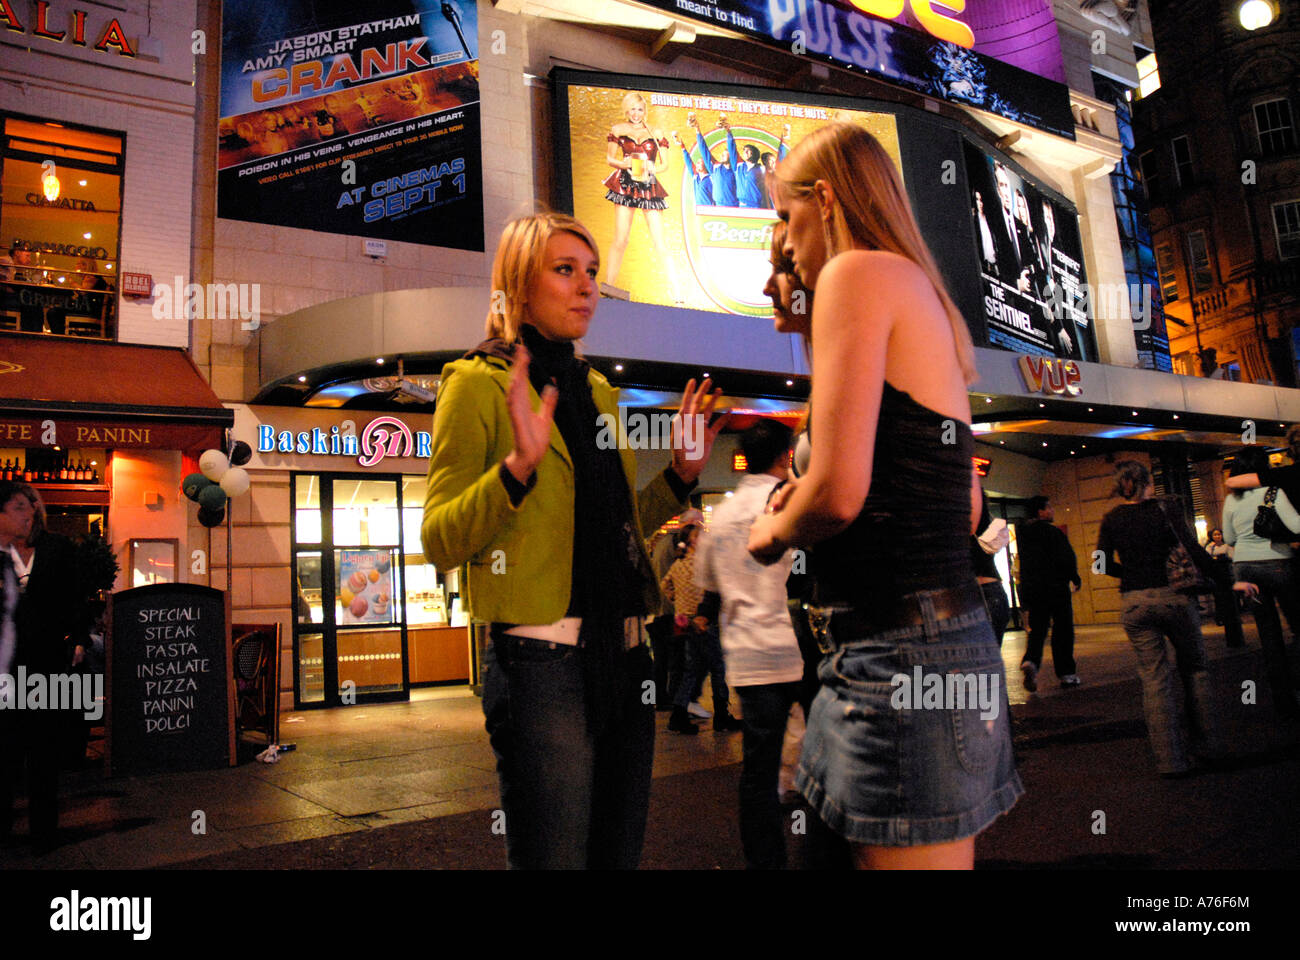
x: 358, y: 119
x: 1031, y: 262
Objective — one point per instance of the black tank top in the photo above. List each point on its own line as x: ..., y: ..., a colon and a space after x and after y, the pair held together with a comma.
x: 914, y: 529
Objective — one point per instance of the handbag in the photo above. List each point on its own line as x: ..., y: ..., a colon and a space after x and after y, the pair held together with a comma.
x: 1268, y: 525
x: 1180, y: 569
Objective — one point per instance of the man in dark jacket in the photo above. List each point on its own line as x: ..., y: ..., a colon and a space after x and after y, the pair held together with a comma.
x: 1048, y: 573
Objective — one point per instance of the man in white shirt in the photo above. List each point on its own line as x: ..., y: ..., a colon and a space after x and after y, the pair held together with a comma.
x: 764, y: 665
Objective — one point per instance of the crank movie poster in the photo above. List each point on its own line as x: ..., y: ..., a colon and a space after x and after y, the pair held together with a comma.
x: 692, y: 209
x: 358, y: 119
x: 1031, y: 263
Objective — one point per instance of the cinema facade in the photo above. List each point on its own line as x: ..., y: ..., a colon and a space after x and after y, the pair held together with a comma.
x: 366, y: 291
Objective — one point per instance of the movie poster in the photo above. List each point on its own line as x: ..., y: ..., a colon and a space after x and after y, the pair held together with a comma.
x: 680, y: 206
x: 353, y: 119
x: 1031, y: 263
x: 365, y: 588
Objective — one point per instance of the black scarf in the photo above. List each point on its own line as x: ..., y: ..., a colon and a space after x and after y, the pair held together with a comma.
x: 607, y: 562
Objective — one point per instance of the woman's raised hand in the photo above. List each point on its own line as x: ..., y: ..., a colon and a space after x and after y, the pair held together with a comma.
x: 692, y: 434
x: 532, y: 429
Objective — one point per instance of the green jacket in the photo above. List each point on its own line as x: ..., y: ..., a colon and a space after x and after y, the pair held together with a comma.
x: 518, y: 561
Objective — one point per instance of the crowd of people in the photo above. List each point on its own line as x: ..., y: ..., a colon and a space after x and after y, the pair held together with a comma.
x: 856, y: 551
x: 516, y: 475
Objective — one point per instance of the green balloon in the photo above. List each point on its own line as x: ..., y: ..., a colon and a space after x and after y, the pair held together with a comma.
x: 193, y: 485
x: 212, y: 497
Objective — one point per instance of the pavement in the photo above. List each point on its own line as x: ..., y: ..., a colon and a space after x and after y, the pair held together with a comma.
x: 413, y: 785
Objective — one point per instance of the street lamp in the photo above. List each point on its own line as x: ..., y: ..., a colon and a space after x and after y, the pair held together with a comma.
x: 1254, y: 14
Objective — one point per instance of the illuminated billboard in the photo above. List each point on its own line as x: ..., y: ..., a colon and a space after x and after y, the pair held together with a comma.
x: 673, y: 185
x: 352, y: 120
x: 1030, y: 256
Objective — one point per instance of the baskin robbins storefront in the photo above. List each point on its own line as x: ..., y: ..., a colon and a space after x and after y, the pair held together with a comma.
x: 332, y: 533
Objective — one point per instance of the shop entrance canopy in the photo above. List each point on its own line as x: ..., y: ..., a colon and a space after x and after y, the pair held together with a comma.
x: 107, y: 395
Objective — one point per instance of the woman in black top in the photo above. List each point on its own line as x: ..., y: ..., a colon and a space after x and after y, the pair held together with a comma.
x: 887, y: 505
x: 1135, y: 541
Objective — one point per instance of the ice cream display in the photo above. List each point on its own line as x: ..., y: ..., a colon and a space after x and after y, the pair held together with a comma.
x: 365, y: 586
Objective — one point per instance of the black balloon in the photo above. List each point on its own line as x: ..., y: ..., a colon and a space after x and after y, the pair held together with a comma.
x: 240, y: 453
x: 211, y: 518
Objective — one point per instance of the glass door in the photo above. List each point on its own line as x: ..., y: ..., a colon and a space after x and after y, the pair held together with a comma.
x: 350, y: 625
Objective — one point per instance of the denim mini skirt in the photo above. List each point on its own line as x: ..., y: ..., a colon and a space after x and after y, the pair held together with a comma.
x: 908, y: 741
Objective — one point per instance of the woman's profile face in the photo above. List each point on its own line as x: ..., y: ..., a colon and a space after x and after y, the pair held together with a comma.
x: 805, y: 242
x: 791, y: 306
x: 561, y: 299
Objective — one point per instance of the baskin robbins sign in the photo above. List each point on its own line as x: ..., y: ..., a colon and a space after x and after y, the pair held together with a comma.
x: 281, y: 434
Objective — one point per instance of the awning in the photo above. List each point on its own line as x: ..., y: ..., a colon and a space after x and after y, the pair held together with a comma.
x: 104, y: 395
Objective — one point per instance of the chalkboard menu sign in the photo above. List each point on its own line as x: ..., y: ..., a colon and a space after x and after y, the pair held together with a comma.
x: 170, y: 688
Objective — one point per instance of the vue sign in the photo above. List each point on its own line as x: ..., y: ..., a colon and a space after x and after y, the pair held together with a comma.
x: 1052, y: 377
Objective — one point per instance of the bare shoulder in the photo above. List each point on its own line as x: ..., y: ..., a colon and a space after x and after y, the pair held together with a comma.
x: 863, y: 266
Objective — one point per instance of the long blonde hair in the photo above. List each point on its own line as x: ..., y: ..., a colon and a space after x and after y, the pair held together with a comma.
x: 872, y: 208
x: 518, y: 261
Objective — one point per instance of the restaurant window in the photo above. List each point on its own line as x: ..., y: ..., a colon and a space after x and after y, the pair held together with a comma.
x: 60, y: 228
x: 1274, y: 126
x: 1198, y: 251
x: 1286, y: 224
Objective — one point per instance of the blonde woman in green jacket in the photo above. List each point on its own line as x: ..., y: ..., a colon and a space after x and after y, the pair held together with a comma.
x: 532, y: 492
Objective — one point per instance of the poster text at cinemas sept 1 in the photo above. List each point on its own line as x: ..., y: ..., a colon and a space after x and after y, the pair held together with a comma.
x: 353, y: 120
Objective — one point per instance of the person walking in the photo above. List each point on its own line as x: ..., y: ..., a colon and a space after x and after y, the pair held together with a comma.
x: 1135, y: 541
x: 1269, y: 565
x: 703, y: 645
x: 1049, y: 572
x: 546, y: 521
x: 764, y: 664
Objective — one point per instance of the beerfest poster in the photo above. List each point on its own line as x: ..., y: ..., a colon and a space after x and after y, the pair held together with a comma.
x: 709, y: 247
x: 310, y: 88
x: 1030, y: 258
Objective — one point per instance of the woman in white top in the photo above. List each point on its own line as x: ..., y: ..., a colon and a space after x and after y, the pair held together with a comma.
x: 1267, y: 564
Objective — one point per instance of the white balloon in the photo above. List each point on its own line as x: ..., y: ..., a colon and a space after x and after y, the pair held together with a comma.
x: 235, y: 481
x: 213, y: 464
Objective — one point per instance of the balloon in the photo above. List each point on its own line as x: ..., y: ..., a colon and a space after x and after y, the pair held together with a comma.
x: 240, y: 453
x: 235, y: 481
x: 211, y: 518
x: 212, y: 498
x: 193, y: 485
x: 213, y: 464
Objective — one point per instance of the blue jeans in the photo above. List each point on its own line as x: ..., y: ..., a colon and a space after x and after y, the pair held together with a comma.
x: 883, y: 767
x: 1277, y: 586
x: 573, y: 798
x: 1149, y: 617
x: 762, y: 830
x: 703, y: 652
